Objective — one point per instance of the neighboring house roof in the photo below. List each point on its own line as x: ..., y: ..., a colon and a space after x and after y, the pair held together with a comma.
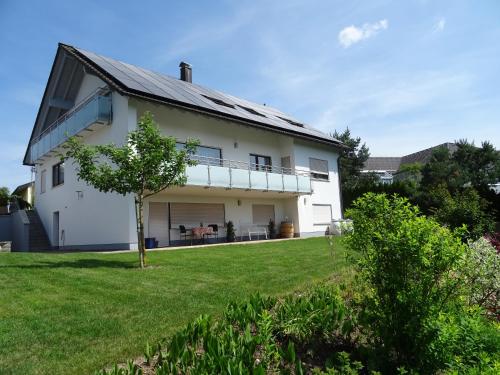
x: 382, y: 163
x: 424, y: 156
x: 22, y: 187
x: 137, y: 82
x: 390, y: 163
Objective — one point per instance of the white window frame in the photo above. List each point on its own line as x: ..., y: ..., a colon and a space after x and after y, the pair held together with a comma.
x: 325, y: 174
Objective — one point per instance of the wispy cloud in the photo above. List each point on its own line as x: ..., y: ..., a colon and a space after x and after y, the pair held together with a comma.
x: 205, y: 34
x: 440, y: 24
x: 352, y: 34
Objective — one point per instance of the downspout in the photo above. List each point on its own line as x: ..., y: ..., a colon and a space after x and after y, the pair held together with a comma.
x: 340, y: 188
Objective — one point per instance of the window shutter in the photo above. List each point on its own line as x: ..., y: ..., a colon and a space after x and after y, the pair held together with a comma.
x: 262, y: 213
x: 322, y: 214
x: 192, y: 214
x: 158, y: 222
x: 318, y: 165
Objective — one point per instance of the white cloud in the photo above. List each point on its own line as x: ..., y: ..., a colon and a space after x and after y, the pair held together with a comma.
x: 440, y: 24
x: 352, y: 34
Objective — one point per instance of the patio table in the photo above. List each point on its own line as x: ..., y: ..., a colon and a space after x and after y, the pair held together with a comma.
x: 201, y: 232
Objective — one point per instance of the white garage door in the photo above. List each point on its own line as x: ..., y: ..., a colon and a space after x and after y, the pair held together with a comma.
x: 322, y: 214
x: 193, y: 214
x: 158, y: 222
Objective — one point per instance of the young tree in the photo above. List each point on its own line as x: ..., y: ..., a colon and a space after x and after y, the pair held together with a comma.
x: 4, y: 196
x: 352, y: 158
x: 145, y: 165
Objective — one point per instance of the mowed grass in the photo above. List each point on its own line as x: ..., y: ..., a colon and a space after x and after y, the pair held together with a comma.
x: 77, y: 313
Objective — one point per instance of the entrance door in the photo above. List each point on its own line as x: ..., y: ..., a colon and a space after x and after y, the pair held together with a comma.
x: 55, y: 229
x: 158, y: 222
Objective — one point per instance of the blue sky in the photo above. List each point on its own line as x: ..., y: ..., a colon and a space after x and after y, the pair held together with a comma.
x: 403, y: 75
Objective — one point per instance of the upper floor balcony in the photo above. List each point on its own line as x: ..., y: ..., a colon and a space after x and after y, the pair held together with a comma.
x: 231, y: 174
x: 95, y: 109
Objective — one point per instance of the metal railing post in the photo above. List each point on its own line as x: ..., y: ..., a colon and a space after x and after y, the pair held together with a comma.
x: 208, y: 171
x: 230, y: 176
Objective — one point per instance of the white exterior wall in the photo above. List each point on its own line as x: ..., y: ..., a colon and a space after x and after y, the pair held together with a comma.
x: 98, y: 220
x: 324, y: 192
x: 95, y: 218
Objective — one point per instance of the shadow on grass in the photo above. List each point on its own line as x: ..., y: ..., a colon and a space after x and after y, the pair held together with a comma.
x: 78, y: 263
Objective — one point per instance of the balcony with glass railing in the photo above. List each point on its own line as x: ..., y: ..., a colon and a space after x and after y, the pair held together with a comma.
x: 95, y: 109
x: 231, y: 174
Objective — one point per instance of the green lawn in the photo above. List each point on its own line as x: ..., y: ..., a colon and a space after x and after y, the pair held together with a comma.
x: 76, y: 313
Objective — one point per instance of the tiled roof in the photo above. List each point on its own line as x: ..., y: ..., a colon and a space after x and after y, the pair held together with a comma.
x: 382, y: 163
x: 147, y: 84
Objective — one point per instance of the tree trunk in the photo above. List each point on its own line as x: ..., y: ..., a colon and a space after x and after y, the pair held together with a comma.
x: 140, y: 230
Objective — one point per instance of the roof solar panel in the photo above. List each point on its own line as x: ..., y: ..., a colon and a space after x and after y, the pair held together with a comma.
x: 161, y: 85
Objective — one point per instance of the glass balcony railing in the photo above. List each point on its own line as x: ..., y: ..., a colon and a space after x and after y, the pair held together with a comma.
x: 96, y: 108
x: 213, y: 172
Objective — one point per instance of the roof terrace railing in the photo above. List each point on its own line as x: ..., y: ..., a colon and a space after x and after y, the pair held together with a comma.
x: 95, y: 108
x: 215, y: 172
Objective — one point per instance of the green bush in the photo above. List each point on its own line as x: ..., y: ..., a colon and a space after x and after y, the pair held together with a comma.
x: 230, y: 235
x: 465, y: 207
x: 482, y: 272
x: 409, y: 266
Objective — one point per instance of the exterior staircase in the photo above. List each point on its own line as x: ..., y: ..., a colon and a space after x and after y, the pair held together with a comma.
x: 38, y: 240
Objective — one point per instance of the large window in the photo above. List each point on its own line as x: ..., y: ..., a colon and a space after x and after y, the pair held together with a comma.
x: 319, y: 169
x: 58, y: 174
x: 205, y: 154
x: 43, y: 181
x: 262, y: 213
x: 193, y: 214
x: 322, y: 214
x: 260, y: 162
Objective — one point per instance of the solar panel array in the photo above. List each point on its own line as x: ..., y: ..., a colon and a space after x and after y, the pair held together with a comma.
x: 171, y: 88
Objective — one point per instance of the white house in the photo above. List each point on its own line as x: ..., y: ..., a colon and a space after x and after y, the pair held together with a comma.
x: 256, y: 163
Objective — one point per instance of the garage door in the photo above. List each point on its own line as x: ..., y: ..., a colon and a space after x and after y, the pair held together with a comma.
x: 192, y: 214
x: 322, y: 214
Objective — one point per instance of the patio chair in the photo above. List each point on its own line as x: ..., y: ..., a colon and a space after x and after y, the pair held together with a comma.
x: 184, y: 233
x: 215, y: 230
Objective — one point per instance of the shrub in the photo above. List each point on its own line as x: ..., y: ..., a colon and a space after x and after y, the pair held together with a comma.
x: 466, y: 342
x: 482, y: 271
x: 230, y: 236
x: 271, y: 228
x: 463, y: 208
x: 409, y: 266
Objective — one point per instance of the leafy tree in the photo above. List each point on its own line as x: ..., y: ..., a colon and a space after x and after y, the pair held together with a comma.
x: 467, y: 166
x: 464, y: 207
x: 352, y: 159
x: 4, y: 195
x: 145, y: 165
x: 409, y: 267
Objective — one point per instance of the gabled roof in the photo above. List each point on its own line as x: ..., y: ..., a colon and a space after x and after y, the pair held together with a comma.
x: 393, y: 163
x: 144, y: 84
x: 382, y: 163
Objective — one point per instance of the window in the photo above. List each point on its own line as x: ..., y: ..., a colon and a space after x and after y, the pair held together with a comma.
x: 286, y: 165
x: 322, y: 214
x: 205, y: 154
x: 43, y: 181
x: 319, y: 169
x: 251, y: 110
x: 291, y: 122
x: 260, y: 162
x: 58, y: 174
x: 193, y: 214
x: 262, y: 213
x: 218, y: 101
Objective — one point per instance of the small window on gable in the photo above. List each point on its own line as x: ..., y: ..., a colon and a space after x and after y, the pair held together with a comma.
x: 291, y: 122
x: 218, y: 101
x: 251, y: 110
x: 43, y: 181
x: 58, y: 174
x: 319, y: 169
